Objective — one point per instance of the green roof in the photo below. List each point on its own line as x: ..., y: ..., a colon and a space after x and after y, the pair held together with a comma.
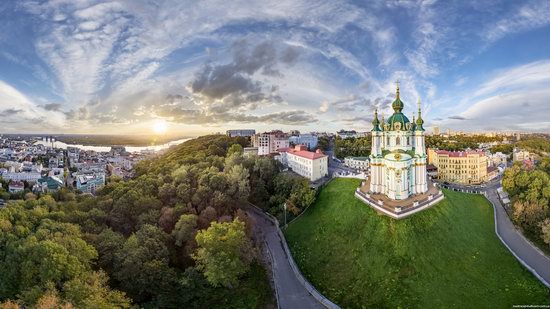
x: 51, y: 183
x: 400, y: 118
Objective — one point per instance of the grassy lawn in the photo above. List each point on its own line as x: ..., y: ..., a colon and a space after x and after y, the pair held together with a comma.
x: 445, y: 257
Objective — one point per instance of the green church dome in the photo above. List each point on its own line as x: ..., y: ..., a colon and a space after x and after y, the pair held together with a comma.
x: 400, y: 119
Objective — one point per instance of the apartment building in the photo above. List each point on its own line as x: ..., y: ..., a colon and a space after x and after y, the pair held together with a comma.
x: 270, y: 142
x: 464, y: 167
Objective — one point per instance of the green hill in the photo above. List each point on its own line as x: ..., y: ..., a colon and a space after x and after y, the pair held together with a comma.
x: 445, y: 257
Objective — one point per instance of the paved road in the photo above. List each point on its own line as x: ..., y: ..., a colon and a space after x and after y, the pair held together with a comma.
x: 291, y: 293
x: 530, y: 256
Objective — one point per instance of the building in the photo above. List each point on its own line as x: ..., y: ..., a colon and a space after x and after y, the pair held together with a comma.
x: 358, y: 163
x: 21, y: 176
x: 47, y: 184
x: 90, y: 183
x: 465, y: 167
x: 270, y: 142
x: 520, y: 155
x: 309, y: 140
x: 398, y: 185
x: 497, y: 159
x: 398, y: 156
x: 16, y: 186
x: 312, y: 165
x: 437, y: 131
x: 244, y: 133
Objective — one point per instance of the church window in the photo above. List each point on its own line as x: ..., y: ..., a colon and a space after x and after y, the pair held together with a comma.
x: 398, y: 141
x: 408, y: 141
x: 388, y: 141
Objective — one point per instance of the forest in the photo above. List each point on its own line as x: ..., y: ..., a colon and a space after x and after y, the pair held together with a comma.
x: 529, y: 190
x: 174, y: 236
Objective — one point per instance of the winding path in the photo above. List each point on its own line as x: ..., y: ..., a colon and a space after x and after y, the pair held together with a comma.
x: 291, y: 293
x: 527, y: 254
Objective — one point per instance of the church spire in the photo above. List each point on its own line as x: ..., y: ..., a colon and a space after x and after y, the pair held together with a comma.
x: 397, y: 89
x: 397, y: 105
x: 375, y: 122
x: 419, y: 121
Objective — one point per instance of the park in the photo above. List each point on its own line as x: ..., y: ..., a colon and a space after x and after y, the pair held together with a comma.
x: 445, y: 256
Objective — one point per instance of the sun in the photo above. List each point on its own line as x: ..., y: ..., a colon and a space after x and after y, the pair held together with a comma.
x: 160, y: 126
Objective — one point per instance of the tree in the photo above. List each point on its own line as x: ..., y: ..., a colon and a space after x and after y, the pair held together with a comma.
x: 91, y: 291
x: 545, y: 231
x: 142, y: 267
x: 238, y: 187
x: 235, y: 148
x: 184, y: 229
x: 224, y: 253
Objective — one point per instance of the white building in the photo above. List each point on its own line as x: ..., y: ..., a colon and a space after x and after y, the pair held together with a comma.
x: 23, y: 176
x: 308, y: 140
x: 245, y: 133
x: 497, y: 159
x: 521, y: 155
x: 270, y: 142
x: 312, y: 165
x: 358, y: 163
x: 398, y: 157
x: 16, y: 186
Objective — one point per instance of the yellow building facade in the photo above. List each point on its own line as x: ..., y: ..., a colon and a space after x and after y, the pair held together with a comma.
x: 464, y: 167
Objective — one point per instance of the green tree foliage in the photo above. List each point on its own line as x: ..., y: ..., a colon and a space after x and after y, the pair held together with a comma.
x: 185, y: 229
x: 224, y: 253
x: 39, y: 255
x: 139, y: 235
x: 354, y: 147
x: 459, y: 142
x: 323, y: 143
x: 142, y: 265
x: 529, y: 190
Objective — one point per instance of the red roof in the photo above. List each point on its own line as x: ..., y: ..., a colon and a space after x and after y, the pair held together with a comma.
x: 299, y: 150
x: 491, y: 169
x: 459, y: 153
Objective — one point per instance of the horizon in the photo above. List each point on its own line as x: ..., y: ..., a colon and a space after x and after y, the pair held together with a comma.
x: 94, y: 67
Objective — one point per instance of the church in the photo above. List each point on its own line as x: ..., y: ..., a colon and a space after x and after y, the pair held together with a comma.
x: 398, y: 154
x: 398, y: 185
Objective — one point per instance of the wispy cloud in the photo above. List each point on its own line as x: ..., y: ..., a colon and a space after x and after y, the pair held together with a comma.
x: 534, y: 14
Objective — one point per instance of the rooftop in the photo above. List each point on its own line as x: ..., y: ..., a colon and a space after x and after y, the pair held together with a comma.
x: 301, y: 151
x: 458, y: 154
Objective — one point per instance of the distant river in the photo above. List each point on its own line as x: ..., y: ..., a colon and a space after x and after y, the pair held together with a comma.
x: 62, y: 145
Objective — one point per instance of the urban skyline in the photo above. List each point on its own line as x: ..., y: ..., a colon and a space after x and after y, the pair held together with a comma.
x: 131, y: 67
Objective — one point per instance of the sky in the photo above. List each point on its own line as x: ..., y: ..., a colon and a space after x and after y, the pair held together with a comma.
x: 195, y: 67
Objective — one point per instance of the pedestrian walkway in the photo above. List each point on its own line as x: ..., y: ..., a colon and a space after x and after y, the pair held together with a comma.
x: 291, y: 293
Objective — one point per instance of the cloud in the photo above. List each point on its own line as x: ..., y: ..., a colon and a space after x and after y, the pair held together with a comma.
x: 25, y: 114
x: 324, y: 107
x: 528, y: 76
x: 10, y: 112
x: 52, y: 107
x: 194, y: 116
x: 532, y: 15
x: 232, y: 87
x: 456, y: 117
